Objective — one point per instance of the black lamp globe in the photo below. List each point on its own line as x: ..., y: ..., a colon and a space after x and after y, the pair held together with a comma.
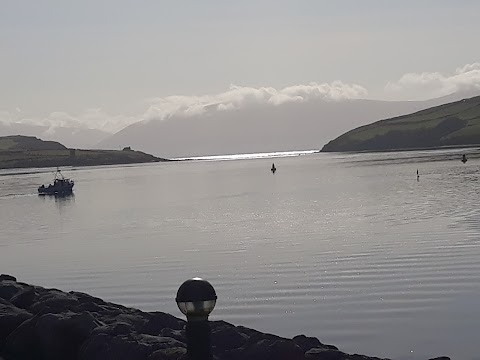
x: 196, y: 299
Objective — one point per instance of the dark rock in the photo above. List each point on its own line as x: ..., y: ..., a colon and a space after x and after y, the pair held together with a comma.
x: 227, y: 338
x: 24, y: 299
x: 108, y: 347
x: 306, y: 343
x: 254, y: 335
x: 104, y: 346
x: 9, y: 289
x: 118, y: 328
x: 174, y: 334
x: 156, y: 321
x: 10, y: 318
x: 7, y: 277
x: 440, y: 358
x: 363, y: 357
x: 50, y: 336
x: 90, y: 307
x: 38, y: 323
x: 169, y: 354
x: 273, y: 350
x: 334, y: 354
x: 136, y: 321
x: 326, y: 354
x: 159, y: 342
x: 53, y: 301
x: 85, y: 298
x: 5, y: 302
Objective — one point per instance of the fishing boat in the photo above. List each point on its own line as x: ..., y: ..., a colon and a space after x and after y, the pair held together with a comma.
x: 60, y: 186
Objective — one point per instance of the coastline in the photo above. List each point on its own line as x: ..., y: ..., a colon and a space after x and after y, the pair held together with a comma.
x: 73, y: 157
x: 433, y: 148
x: 41, y: 323
x: 18, y: 151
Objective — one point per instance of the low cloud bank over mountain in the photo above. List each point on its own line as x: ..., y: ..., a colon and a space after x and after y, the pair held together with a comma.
x: 240, y: 97
x: 256, y: 128
x: 434, y: 84
x: 245, y: 119
x: 81, y: 137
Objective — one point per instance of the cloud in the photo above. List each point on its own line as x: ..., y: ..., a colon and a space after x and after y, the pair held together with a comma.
x: 237, y: 97
x: 162, y: 108
x: 434, y: 84
x: 6, y: 118
x: 89, y: 119
x: 411, y: 86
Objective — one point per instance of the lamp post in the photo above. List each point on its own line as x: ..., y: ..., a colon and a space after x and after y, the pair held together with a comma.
x: 196, y: 299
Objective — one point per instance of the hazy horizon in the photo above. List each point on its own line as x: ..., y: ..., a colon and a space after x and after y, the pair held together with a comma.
x: 106, y: 66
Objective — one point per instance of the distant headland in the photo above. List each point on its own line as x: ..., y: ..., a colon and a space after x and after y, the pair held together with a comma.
x: 455, y: 124
x: 19, y: 151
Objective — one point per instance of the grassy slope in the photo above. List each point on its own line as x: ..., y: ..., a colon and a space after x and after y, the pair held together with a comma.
x: 19, y: 142
x: 21, y: 152
x: 456, y: 123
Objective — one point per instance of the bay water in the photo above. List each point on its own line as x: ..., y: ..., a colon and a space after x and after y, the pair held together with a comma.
x: 350, y: 248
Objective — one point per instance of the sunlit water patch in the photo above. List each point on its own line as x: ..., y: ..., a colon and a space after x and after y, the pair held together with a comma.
x: 350, y: 248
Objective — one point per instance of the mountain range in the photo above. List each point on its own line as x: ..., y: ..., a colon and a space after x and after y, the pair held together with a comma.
x: 304, y: 125
x: 261, y: 128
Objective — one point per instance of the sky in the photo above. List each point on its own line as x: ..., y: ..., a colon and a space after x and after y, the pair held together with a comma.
x: 108, y: 63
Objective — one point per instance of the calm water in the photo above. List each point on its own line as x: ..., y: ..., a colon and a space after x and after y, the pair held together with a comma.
x: 351, y: 249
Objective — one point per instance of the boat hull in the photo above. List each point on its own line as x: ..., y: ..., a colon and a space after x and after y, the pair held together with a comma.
x: 64, y: 190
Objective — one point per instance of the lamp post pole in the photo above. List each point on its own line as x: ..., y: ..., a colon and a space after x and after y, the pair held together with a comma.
x: 199, y: 345
x: 196, y: 299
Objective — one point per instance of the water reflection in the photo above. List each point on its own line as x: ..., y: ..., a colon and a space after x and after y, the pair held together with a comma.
x: 61, y: 201
x: 398, y: 158
x: 363, y: 257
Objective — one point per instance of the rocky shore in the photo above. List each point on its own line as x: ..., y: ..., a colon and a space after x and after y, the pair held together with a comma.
x: 38, y: 323
x: 29, y: 152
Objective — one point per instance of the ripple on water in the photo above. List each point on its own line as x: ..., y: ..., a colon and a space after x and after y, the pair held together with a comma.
x: 348, y: 248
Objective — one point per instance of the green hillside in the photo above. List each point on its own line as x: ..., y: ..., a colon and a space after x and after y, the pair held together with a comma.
x: 27, y: 151
x: 454, y: 124
x: 27, y: 143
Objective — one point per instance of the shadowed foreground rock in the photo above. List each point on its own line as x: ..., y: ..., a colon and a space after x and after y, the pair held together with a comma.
x: 38, y: 323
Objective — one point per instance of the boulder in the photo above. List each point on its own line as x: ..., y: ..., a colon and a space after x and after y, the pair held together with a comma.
x: 10, y: 318
x: 156, y: 321
x: 50, y: 336
x: 124, y: 347
x: 24, y: 298
x: 266, y: 349
x: 326, y: 354
x: 7, y: 277
x: 117, y: 328
x: 53, y: 301
x: 227, y: 338
x: 9, y: 289
x: 174, y: 334
x: 306, y: 343
x: 169, y: 354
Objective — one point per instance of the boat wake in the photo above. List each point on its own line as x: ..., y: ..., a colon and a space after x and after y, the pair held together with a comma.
x: 9, y: 196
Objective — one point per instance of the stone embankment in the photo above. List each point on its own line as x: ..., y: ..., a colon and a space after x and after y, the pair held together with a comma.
x: 38, y: 323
